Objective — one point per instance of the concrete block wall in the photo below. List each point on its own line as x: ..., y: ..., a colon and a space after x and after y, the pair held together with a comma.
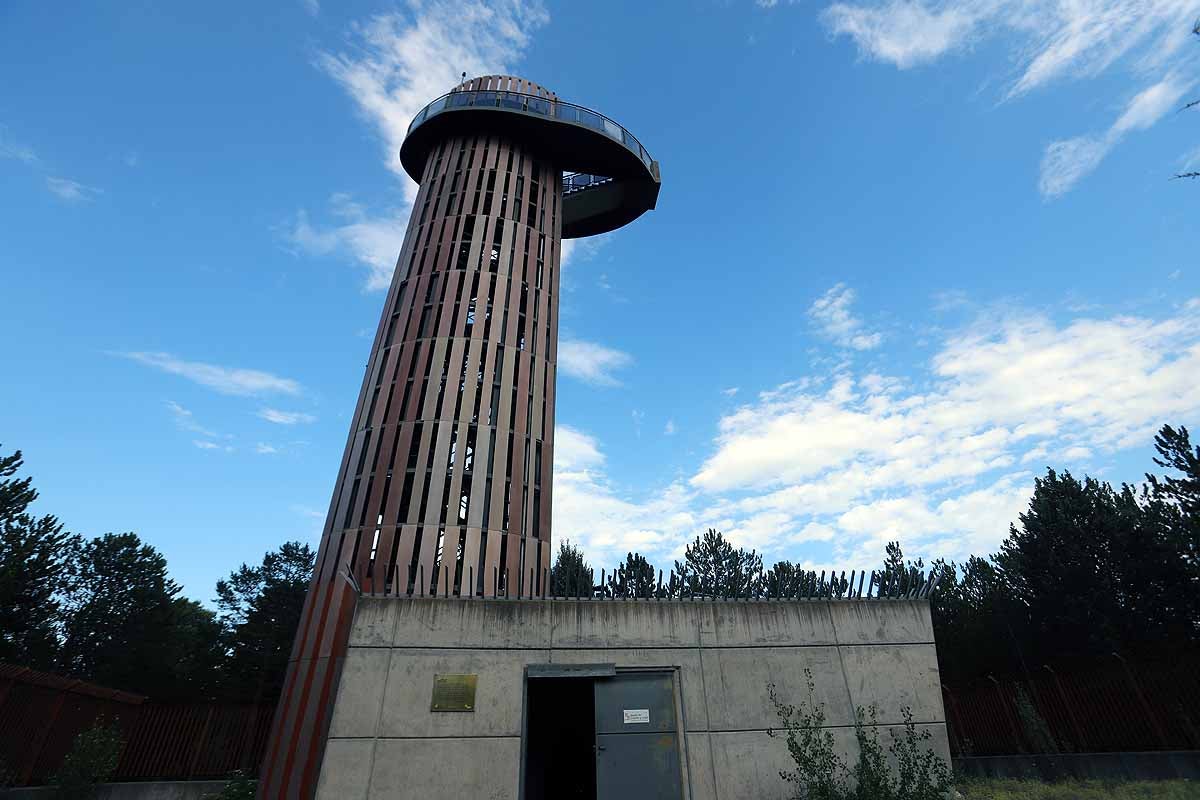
x: 384, y: 741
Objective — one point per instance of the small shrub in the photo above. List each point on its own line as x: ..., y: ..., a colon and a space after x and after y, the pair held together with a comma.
x: 238, y: 787
x: 872, y: 776
x: 1037, y: 732
x: 92, y: 760
x: 821, y: 774
x: 920, y: 772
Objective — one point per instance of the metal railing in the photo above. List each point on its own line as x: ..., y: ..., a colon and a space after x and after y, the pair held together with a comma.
x: 538, y: 106
x: 578, y: 181
x: 463, y: 582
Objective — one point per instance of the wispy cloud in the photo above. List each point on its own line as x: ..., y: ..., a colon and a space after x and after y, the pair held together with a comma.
x: 312, y: 7
x: 394, y: 65
x: 205, y: 444
x: 1066, y: 162
x: 15, y: 150
x: 591, y: 362
x: 285, y: 417
x: 264, y: 449
x: 1049, y: 41
x: 831, y: 315
x: 226, y: 380
x: 669, y: 428
x: 69, y: 190
x: 186, y: 420
x: 373, y: 242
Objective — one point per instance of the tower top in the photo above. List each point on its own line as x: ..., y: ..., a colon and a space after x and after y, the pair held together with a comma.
x: 612, y: 178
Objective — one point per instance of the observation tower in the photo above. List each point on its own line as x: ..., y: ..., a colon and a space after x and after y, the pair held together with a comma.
x: 445, y: 486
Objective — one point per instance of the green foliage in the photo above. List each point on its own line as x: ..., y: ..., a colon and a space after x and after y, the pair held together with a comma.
x: 820, y: 773
x: 1007, y: 789
x: 260, y: 609
x: 1088, y: 569
x: 238, y: 787
x: 571, y: 576
x: 36, y: 564
x: 913, y: 772
x: 127, y: 628
x: 1037, y: 732
x: 921, y: 774
x: 635, y: 578
x: 92, y: 760
x: 715, y: 568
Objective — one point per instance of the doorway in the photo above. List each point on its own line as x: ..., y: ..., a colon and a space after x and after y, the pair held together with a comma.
x: 601, y: 734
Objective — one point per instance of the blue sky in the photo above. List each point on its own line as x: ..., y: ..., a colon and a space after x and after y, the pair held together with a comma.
x: 906, y: 255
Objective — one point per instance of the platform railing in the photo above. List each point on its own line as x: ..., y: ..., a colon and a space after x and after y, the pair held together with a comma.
x: 537, y: 105
x: 578, y: 181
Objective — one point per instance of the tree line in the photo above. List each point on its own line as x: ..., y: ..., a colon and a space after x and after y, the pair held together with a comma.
x: 1089, y: 569
x: 105, y: 609
x: 1086, y: 570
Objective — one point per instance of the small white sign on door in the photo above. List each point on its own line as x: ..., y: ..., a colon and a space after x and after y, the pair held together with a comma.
x: 633, y: 716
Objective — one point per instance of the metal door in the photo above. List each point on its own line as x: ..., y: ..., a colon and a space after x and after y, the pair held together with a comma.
x: 637, y: 747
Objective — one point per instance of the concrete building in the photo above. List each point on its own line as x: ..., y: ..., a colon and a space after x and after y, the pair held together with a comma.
x: 445, y: 482
x: 614, y: 698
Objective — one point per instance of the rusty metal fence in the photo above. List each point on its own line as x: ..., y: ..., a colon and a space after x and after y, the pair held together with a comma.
x: 1101, y: 705
x: 41, y: 714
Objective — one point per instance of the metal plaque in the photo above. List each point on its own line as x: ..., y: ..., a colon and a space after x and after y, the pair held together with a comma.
x: 635, y: 716
x: 453, y: 693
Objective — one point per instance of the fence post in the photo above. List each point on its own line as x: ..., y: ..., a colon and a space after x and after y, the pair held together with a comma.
x: 40, y: 741
x: 1018, y: 741
x: 191, y: 773
x: 1137, y: 690
x: 1080, y: 741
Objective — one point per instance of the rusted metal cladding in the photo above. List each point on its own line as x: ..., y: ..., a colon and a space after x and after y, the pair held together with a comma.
x: 444, y: 486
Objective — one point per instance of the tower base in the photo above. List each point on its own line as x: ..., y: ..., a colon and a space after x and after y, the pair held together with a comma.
x: 528, y: 699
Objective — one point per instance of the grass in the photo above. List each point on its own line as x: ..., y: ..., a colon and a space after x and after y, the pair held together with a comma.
x: 1079, y: 790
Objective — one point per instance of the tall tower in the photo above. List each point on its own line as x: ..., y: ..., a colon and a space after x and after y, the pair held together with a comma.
x: 445, y: 483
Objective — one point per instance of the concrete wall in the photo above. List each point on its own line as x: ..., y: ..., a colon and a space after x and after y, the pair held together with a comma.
x: 385, y: 742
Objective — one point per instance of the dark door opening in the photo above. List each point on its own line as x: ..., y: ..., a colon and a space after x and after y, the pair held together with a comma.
x: 560, y: 759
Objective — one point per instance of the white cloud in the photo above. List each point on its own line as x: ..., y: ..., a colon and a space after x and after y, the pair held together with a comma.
x: 591, y: 362
x: 394, y: 65
x: 186, y: 420
x: 669, y: 430
x: 1049, y: 41
x: 373, y: 242
x: 1066, y: 162
x: 69, y: 190
x: 590, y: 512
x: 942, y: 461
x: 730, y: 392
x: 400, y: 62
x: 262, y: 448
x: 830, y: 313
x: 16, y: 150
x: 205, y: 444
x: 285, y: 417
x: 903, y: 33
x: 312, y: 7
x: 226, y: 380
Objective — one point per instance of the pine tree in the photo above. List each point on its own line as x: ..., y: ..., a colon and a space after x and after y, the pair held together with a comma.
x: 713, y: 567
x: 36, y: 560
x: 571, y: 576
x: 260, y: 609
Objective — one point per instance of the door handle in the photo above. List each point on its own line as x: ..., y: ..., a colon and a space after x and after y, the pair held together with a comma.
x: 600, y: 747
